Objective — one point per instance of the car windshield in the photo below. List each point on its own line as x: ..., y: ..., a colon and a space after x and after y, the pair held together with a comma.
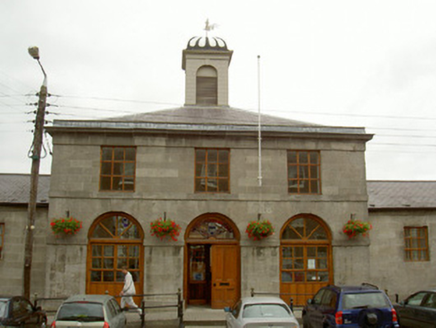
x: 365, y: 300
x: 81, y: 311
x: 3, y: 306
x: 265, y: 311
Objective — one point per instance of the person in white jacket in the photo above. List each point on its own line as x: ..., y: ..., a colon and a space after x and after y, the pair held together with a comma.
x: 128, y: 289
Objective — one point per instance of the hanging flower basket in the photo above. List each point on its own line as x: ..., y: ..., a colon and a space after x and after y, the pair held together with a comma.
x: 65, y: 226
x: 354, y: 228
x: 258, y: 230
x: 163, y: 228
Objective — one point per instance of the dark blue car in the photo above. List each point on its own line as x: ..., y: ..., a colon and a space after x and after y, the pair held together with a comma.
x: 349, y: 307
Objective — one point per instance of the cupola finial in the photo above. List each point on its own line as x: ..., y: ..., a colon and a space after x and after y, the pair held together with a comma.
x: 209, y: 27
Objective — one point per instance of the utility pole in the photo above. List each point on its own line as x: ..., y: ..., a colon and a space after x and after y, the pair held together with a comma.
x: 34, y: 175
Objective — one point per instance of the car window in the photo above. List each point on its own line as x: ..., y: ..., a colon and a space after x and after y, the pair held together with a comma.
x: 3, y: 307
x: 115, y: 305
x: 265, y: 311
x: 20, y: 308
x: 85, y: 311
x: 318, y: 297
x: 430, y: 302
x: 112, y: 312
x: 416, y: 299
x: 237, y: 309
x: 365, y: 300
x: 329, y: 299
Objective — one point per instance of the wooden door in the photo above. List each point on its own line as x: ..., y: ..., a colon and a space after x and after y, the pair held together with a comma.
x: 225, y: 275
x: 305, y: 269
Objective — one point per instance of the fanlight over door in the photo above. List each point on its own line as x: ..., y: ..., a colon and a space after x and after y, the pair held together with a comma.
x: 305, y: 258
x: 115, y: 240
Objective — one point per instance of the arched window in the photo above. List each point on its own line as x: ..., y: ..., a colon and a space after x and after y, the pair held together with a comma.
x: 304, y: 228
x: 207, y: 86
x: 115, y: 240
x: 305, y: 257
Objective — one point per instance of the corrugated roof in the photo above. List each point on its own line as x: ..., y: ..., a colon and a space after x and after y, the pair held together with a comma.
x: 401, y: 194
x: 15, y: 188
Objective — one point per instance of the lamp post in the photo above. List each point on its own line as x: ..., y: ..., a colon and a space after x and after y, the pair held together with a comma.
x: 34, y: 175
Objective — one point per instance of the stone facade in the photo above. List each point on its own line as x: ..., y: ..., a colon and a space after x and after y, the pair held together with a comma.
x: 165, y: 183
x: 12, y: 260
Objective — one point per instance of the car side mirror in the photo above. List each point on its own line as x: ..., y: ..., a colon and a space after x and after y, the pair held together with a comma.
x: 309, y: 301
x: 227, y: 309
x: 402, y: 303
x: 38, y: 309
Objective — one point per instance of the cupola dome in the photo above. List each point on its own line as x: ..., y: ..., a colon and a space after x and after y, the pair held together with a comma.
x: 207, y: 43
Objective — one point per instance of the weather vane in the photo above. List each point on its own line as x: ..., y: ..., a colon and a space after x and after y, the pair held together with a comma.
x: 209, y: 27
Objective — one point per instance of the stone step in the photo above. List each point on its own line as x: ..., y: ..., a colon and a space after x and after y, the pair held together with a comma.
x: 203, y: 317
x: 203, y: 323
x: 224, y: 326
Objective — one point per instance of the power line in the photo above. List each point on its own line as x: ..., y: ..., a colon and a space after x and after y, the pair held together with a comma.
x: 118, y: 100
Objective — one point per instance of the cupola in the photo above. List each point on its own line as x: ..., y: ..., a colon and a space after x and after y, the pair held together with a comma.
x: 206, y: 63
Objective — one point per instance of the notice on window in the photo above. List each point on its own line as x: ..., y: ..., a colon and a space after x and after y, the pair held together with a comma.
x: 311, y: 264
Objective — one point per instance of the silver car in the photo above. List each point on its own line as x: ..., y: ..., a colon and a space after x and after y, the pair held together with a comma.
x: 90, y: 311
x: 259, y: 312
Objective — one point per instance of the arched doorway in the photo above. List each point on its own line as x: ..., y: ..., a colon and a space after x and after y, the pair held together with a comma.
x: 305, y: 257
x: 115, y: 240
x: 212, y: 262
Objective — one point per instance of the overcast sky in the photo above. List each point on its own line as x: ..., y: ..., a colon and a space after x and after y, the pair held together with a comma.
x: 341, y: 63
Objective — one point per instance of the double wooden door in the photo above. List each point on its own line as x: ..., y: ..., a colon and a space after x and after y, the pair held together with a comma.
x: 213, y: 275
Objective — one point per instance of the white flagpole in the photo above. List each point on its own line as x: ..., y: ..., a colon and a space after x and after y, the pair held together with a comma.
x: 259, y: 123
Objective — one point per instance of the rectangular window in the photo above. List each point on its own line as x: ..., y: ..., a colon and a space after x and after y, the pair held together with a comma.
x: 117, y: 170
x: 416, y: 243
x: 2, y: 238
x: 304, y: 172
x: 212, y: 170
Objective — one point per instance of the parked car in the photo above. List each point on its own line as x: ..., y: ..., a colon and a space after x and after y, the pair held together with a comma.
x: 349, y: 306
x: 253, y: 312
x: 418, y: 310
x: 90, y: 311
x: 18, y: 311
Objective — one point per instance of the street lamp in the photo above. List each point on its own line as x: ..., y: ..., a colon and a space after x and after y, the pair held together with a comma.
x: 34, y: 175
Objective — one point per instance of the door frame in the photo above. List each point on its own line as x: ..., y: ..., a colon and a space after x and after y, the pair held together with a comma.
x: 210, y: 241
x: 139, y: 284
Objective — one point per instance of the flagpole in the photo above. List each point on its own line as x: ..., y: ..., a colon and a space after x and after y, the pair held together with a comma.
x: 259, y: 123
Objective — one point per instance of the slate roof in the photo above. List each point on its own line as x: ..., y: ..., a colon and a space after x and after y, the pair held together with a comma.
x: 401, y: 194
x: 207, y: 119
x: 15, y: 189
x: 208, y: 115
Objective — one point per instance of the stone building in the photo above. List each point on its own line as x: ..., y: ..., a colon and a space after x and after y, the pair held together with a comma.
x: 198, y: 165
